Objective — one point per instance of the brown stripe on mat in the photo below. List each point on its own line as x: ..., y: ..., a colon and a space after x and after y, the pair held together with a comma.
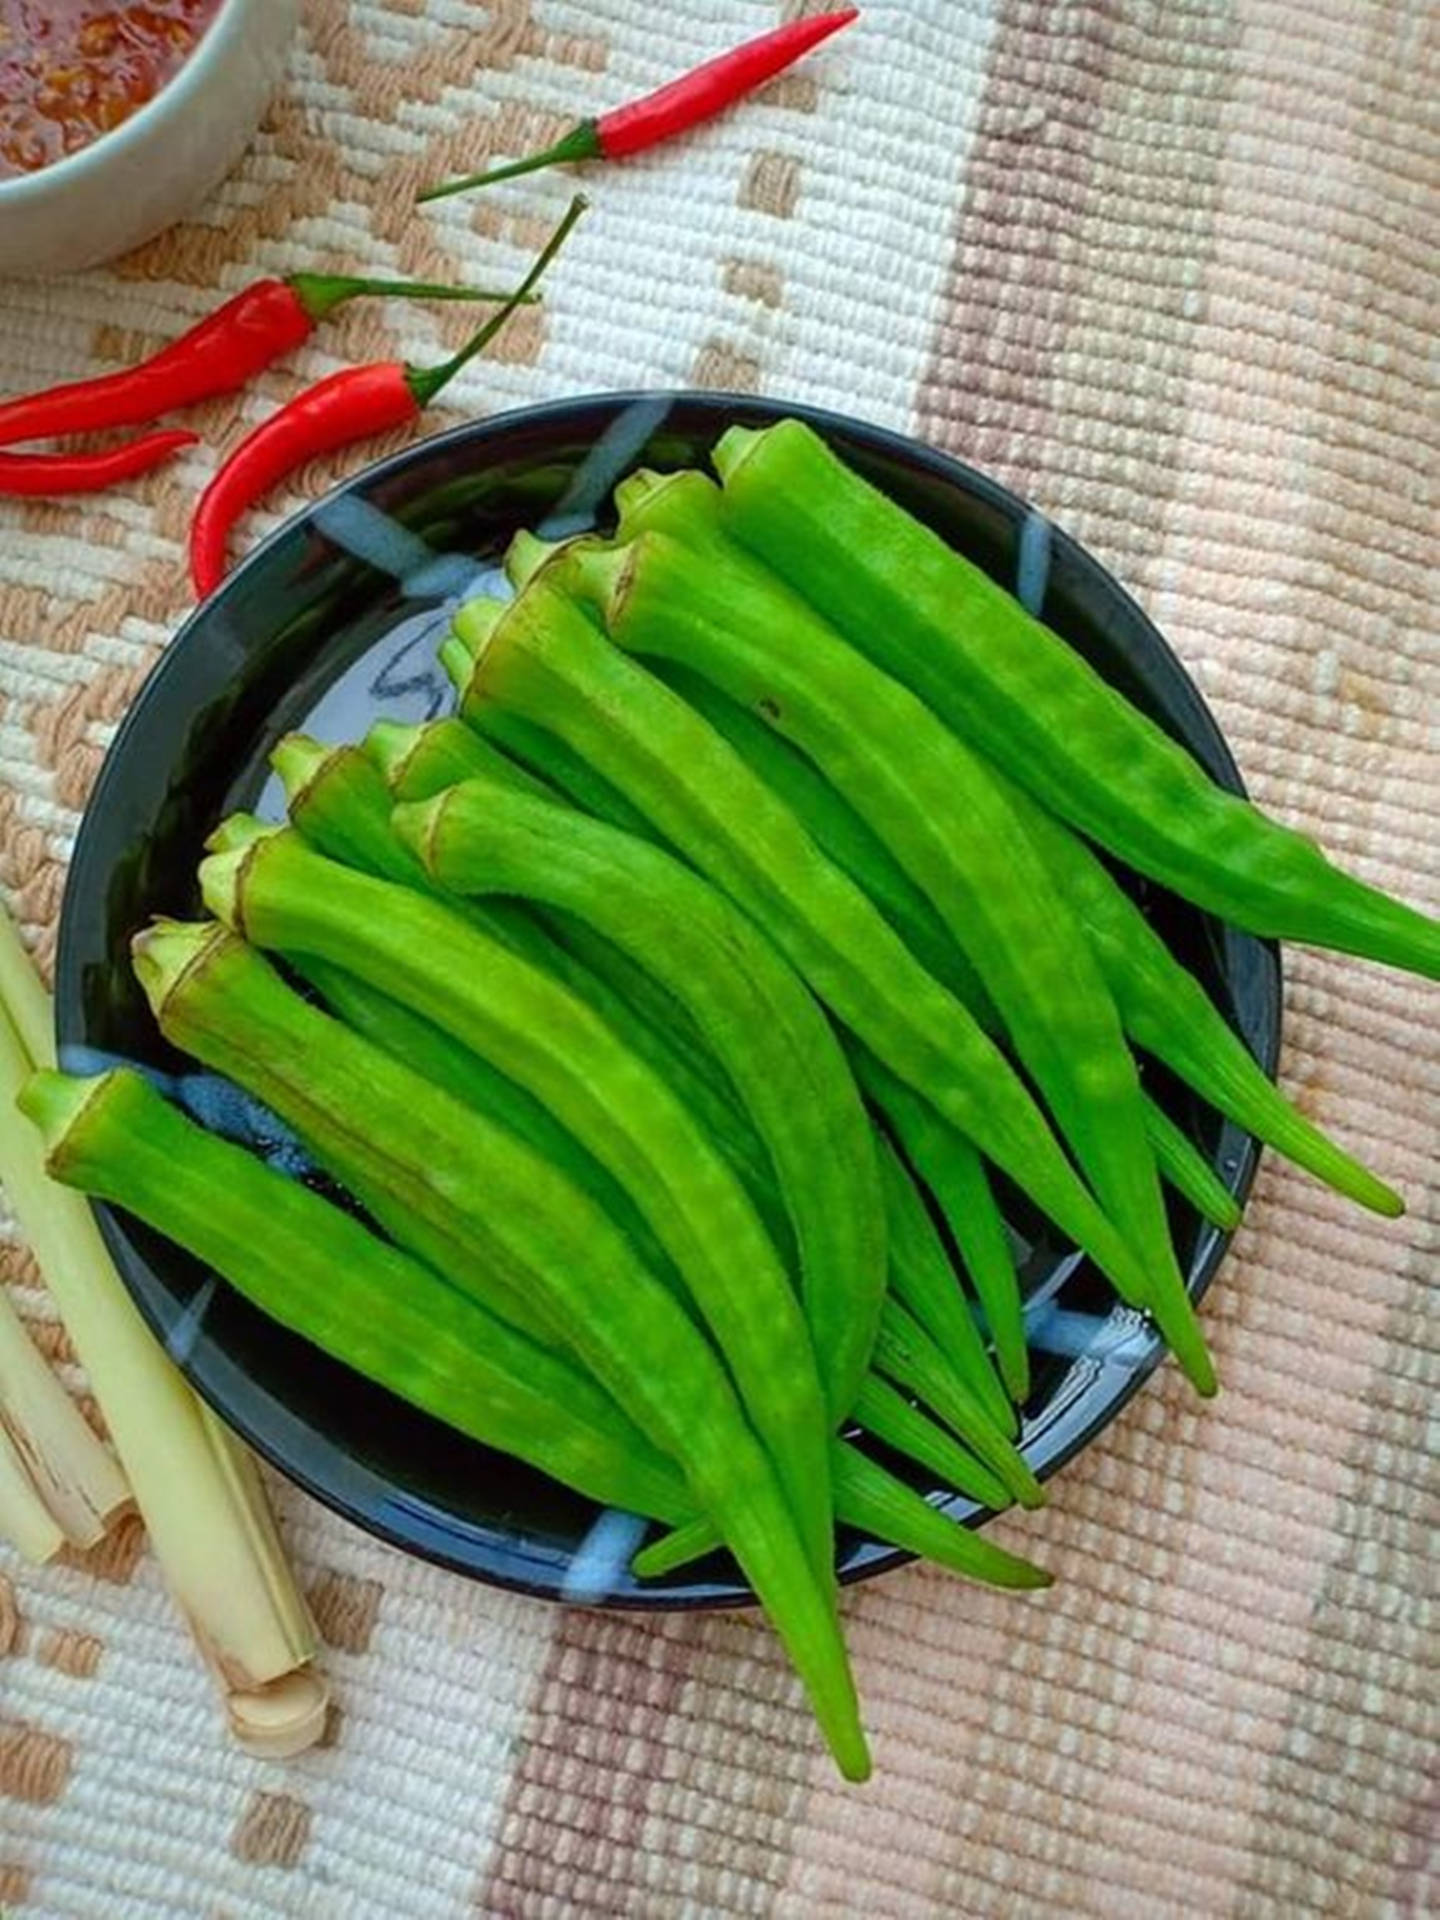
x: 1351, y: 1814
x: 1349, y: 1819
x: 656, y: 1757
x: 1060, y: 365
x: 985, y: 396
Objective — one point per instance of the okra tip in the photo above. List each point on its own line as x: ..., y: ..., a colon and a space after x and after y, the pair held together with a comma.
x: 475, y: 623
x: 526, y: 554
x: 53, y: 1102
x: 165, y: 951
x: 389, y: 746
x: 735, y: 445
x: 298, y: 759
x: 238, y: 830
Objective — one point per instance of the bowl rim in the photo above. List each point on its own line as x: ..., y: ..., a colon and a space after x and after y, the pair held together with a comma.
x: 876, y: 1558
x: 181, y: 90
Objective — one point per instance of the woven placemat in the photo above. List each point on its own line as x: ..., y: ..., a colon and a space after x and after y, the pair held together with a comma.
x: 1169, y: 270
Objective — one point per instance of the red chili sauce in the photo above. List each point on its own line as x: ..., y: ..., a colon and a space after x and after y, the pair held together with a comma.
x: 71, y: 70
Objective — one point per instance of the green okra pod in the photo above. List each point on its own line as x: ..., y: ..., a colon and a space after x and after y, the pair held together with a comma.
x: 892, y: 1511
x: 917, y: 1268
x: 906, y: 1354
x: 284, y: 896
x: 886, y: 1415
x: 542, y: 1236
x: 842, y: 834
x: 753, y: 1012
x: 946, y: 819
x: 319, y: 1272
x: 1168, y: 1013
x: 339, y: 801
x: 922, y: 1280
x: 1010, y: 685
x: 467, y: 1078
x: 541, y: 656
x: 879, y: 1408
x: 952, y: 1170
x: 1186, y: 1169
x: 417, y: 760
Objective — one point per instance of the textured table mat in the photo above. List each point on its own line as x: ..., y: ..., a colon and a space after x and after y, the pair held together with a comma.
x: 1168, y: 269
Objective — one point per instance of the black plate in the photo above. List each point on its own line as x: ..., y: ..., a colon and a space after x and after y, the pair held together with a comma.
x: 334, y: 621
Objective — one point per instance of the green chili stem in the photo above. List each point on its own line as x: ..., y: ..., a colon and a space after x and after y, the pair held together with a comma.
x: 581, y: 143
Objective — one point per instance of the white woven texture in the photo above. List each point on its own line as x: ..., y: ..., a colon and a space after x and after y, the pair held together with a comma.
x: 1169, y: 271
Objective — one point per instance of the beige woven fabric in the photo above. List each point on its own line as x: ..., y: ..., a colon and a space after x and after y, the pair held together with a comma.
x: 1170, y: 270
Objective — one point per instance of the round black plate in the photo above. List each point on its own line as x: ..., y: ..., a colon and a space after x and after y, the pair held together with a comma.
x: 336, y: 620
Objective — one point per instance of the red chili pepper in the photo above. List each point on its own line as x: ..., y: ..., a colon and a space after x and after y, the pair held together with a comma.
x: 216, y: 356
x: 673, y: 108
x: 25, y: 474
x: 336, y: 412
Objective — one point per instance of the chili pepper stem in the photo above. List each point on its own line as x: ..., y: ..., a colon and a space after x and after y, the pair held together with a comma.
x: 321, y: 293
x: 426, y: 382
x: 581, y: 143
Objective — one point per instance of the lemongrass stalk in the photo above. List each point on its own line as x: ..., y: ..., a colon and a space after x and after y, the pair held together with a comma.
x: 22, y: 996
x: 231, y: 1584
x: 76, y: 1479
x: 25, y: 1520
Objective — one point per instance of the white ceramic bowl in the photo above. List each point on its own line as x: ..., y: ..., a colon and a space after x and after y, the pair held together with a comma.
x: 161, y: 162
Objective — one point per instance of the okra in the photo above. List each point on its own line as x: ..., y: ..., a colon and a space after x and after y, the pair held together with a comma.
x: 944, y: 817
x: 284, y: 896
x: 416, y: 761
x: 339, y: 802
x: 878, y: 1408
x: 922, y: 1279
x: 884, y: 1413
x: 1168, y: 1013
x: 885, y: 1507
x: 467, y: 1078
x: 1012, y: 687
x: 952, y: 1170
x: 1188, y: 1171
x: 906, y: 1354
x: 316, y: 1270
x: 842, y: 834
x: 220, y: 1001
x: 544, y: 658
x: 746, y: 1002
